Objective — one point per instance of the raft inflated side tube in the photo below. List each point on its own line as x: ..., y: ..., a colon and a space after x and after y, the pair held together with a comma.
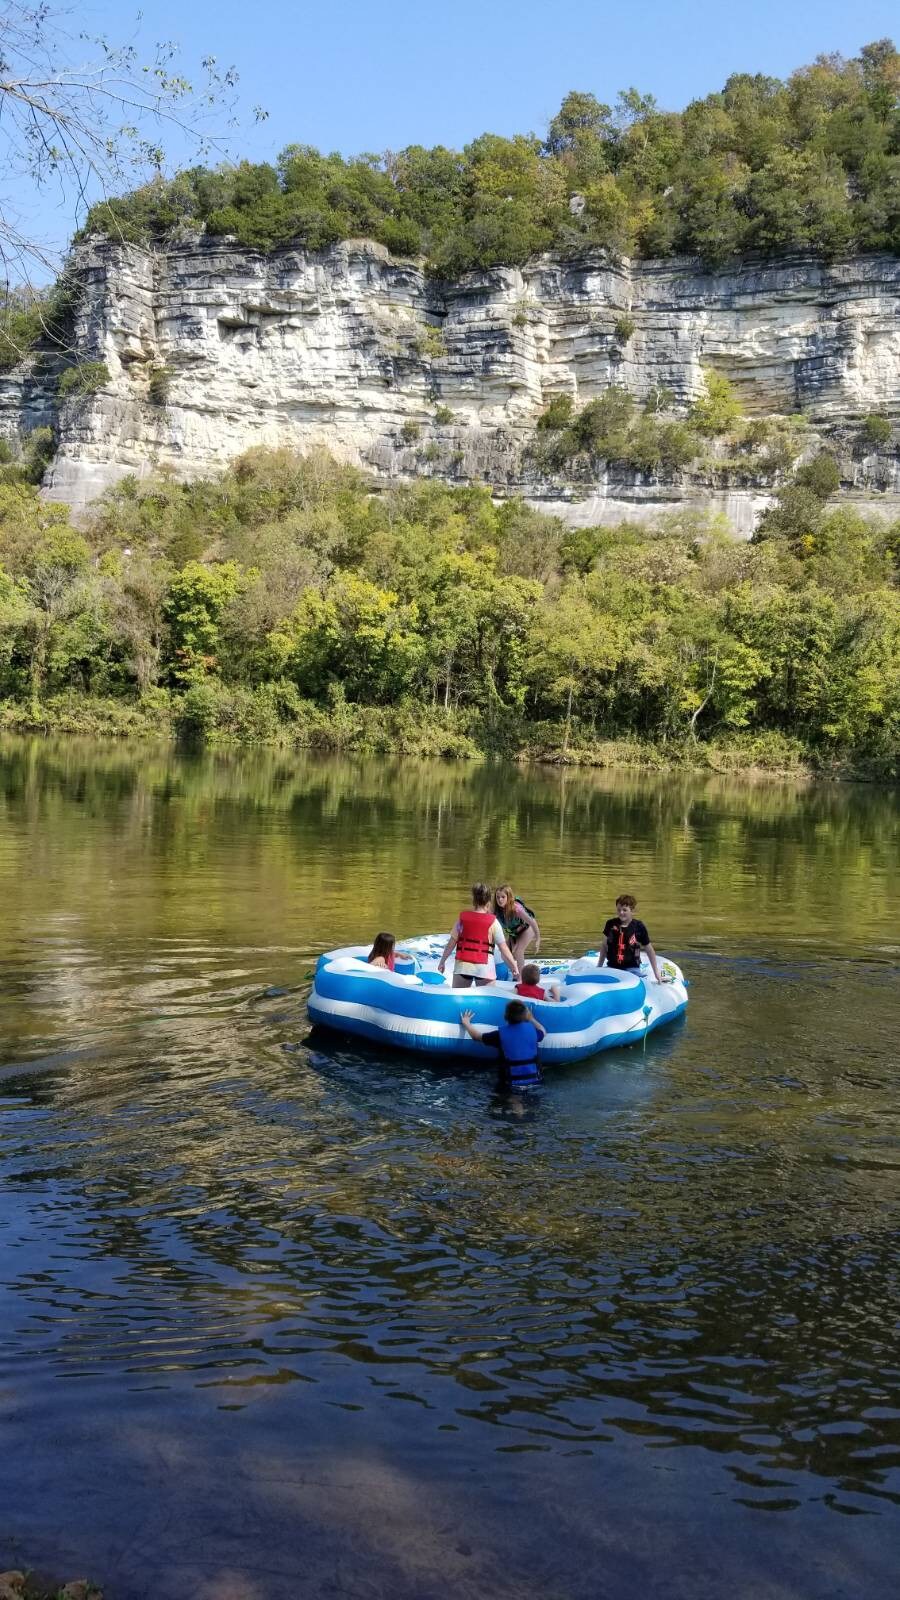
x: 415, y: 1008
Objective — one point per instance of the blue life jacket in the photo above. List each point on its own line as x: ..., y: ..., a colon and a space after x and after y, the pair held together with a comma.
x: 519, y: 1049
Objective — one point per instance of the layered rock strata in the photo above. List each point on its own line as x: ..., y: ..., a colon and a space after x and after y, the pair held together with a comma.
x: 404, y: 375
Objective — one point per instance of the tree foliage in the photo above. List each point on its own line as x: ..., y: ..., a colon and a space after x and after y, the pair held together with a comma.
x: 809, y: 164
x: 285, y: 583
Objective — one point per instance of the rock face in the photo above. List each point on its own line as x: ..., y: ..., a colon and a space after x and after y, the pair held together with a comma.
x: 388, y: 368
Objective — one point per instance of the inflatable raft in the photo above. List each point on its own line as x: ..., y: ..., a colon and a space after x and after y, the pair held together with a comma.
x: 415, y: 1008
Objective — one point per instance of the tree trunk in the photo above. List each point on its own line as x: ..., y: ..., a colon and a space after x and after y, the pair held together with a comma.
x: 706, y: 698
x: 568, y: 722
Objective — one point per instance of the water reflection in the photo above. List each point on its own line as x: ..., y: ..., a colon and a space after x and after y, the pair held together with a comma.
x: 680, y: 1261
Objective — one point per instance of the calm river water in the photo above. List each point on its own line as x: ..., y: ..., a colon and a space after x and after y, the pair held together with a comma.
x: 284, y: 1318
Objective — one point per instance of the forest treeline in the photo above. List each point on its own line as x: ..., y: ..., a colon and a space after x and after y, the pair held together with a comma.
x: 286, y: 600
x: 810, y: 163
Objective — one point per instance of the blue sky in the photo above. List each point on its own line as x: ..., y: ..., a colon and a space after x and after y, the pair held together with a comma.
x: 360, y: 76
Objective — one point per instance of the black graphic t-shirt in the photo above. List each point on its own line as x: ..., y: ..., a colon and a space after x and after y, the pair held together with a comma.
x: 623, y: 945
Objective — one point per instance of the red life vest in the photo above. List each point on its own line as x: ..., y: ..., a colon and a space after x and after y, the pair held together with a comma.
x: 474, y: 942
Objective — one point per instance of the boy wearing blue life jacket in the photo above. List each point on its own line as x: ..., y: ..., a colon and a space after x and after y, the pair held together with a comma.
x: 517, y: 1042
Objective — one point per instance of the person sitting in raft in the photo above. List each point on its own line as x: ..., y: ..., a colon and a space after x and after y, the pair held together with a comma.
x: 383, y: 952
x: 518, y: 923
x: 624, y: 938
x: 530, y: 988
x: 517, y: 1042
x: 476, y: 935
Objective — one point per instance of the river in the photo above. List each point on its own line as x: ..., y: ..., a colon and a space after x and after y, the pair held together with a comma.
x: 285, y: 1316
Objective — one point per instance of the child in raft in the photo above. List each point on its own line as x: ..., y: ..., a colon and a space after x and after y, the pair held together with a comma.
x: 516, y: 1041
x: 625, y: 938
x: 530, y: 987
x: 475, y: 938
x: 518, y: 923
x: 384, y: 951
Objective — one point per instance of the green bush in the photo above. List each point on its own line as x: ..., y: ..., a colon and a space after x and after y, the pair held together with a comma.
x: 88, y: 377
x: 410, y: 431
x: 159, y: 385
x: 624, y: 329
x: 430, y: 344
x: 718, y: 409
x: 558, y: 413
x: 821, y: 475
x: 443, y: 416
x: 876, y: 430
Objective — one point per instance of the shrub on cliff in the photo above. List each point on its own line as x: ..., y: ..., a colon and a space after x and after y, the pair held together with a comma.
x: 876, y: 431
x: 88, y: 377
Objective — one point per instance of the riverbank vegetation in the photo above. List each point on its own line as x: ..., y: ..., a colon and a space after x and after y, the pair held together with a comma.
x: 811, y: 163
x: 286, y: 601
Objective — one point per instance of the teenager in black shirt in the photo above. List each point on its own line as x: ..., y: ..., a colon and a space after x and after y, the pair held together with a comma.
x: 625, y: 938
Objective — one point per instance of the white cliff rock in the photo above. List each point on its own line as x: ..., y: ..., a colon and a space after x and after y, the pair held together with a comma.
x: 346, y: 348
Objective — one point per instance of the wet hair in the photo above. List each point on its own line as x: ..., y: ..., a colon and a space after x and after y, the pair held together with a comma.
x: 481, y: 895
x: 509, y: 908
x: 516, y: 1011
x: 531, y: 973
x: 383, y: 946
x: 626, y: 900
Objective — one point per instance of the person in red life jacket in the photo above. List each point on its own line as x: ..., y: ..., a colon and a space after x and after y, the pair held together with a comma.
x: 517, y: 1043
x: 530, y: 988
x: 383, y: 952
x: 476, y: 935
x: 625, y: 938
x: 518, y: 922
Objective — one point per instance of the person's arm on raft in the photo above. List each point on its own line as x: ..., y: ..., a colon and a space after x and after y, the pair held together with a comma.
x: 509, y: 958
x: 465, y: 1021
x: 650, y: 953
x: 449, y: 948
x: 601, y: 953
x: 541, y: 1030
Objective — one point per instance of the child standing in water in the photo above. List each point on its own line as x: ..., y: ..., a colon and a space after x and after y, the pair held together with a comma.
x: 476, y: 936
x: 516, y: 1042
x: 519, y: 924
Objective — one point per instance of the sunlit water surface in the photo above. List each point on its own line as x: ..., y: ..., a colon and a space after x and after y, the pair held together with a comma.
x: 285, y: 1316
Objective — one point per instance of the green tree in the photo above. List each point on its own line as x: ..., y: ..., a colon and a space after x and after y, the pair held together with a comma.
x: 193, y: 609
x: 718, y: 408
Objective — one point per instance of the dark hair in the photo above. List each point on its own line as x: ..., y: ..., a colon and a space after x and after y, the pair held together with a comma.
x: 481, y: 894
x: 626, y: 900
x: 383, y: 946
x: 516, y: 1011
x: 531, y: 973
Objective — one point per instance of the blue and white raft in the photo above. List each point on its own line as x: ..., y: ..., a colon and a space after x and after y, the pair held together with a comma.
x: 415, y: 1008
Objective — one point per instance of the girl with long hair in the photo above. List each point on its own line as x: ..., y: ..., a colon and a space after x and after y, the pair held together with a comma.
x: 383, y: 951
x: 518, y: 923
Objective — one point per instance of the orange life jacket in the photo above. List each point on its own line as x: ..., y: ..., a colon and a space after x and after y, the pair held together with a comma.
x: 474, y: 942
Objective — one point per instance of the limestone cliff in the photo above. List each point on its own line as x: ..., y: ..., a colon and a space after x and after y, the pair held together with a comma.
x: 404, y: 375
